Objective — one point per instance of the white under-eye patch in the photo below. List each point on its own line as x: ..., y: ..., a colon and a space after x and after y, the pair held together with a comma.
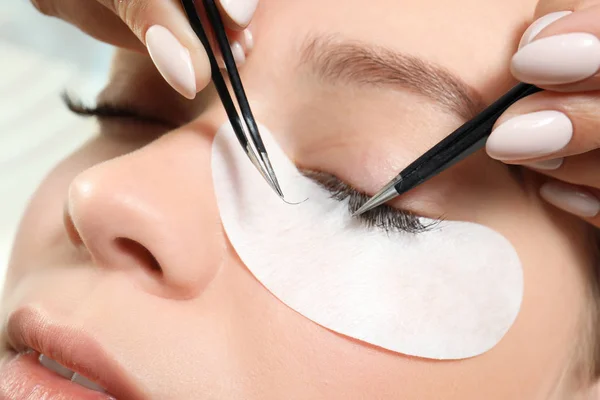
x: 451, y: 292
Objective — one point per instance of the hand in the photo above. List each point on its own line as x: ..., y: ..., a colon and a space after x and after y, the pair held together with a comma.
x: 557, y: 132
x: 161, y: 28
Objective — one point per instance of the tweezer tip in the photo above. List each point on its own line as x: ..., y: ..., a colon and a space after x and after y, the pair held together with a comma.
x: 383, y: 196
x: 368, y: 206
x: 271, y: 174
x: 275, y: 186
x: 279, y: 191
x: 272, y: 181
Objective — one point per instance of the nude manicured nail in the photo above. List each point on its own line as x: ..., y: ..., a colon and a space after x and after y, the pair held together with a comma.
x: 240, y: 11
x: 248, y: 39
x: 571, y: 199
x: 238, y: 53
x: 531, y: 135
x: 547, y: 165
x: 559, y: 59
x: 538, y: 25
x: 172, y: 60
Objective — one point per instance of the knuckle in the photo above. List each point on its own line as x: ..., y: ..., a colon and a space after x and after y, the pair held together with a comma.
x: 585, y: 115
x: 548, y: 6
x: 132, y: 12
x: 583, y: 106
x: 583, y: 4
x: 46, y: 7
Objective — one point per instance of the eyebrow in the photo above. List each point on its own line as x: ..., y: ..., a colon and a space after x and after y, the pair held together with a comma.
x: 337, y: 61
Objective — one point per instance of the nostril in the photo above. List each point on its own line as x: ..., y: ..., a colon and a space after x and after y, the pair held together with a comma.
x: 140, y: 253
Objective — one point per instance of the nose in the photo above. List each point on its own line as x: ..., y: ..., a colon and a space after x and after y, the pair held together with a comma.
x: 151, y: 215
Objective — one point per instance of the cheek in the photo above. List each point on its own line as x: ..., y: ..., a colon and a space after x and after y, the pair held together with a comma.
x: 556, y: 256
x: 451, y: 292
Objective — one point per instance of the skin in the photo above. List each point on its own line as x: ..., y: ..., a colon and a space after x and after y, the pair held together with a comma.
x: 215, y: 331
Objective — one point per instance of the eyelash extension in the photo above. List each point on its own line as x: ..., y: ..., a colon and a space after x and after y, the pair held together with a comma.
x: 108, y: 111
x: 384, y: 217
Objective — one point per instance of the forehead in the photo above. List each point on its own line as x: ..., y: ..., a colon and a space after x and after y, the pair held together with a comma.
x: 472, y: 38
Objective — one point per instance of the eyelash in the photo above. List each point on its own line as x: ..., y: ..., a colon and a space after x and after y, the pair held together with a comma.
x: 109, y: 111
x: 384, y: 217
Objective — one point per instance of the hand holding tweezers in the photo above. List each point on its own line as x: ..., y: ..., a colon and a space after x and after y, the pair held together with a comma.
x: 252, y: 144
x: 454, y: 148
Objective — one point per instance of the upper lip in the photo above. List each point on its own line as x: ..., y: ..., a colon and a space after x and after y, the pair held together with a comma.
x: 29, y: 328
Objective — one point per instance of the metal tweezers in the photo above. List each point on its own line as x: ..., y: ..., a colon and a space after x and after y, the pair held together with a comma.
x: 252, y: 144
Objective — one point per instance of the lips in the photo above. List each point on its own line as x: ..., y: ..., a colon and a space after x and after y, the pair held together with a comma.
x: 28, y: 329
x: 22, y: 377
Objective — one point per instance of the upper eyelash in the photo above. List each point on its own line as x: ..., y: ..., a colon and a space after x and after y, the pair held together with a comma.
x: 384, y: 217
x: 107, y: 110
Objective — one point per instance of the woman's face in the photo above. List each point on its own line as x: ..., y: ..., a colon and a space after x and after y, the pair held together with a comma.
x: 199, y: 325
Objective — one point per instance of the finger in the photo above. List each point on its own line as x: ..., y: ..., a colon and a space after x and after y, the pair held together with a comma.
x: 545, y: 7
x: 546, y: 126
x: 577, y: 200
x: 94, y: 19
x: 561, y: 51
x: 241, y: 43
x: 577, y: 170
x: 237, y: 14
x: 241, y: 40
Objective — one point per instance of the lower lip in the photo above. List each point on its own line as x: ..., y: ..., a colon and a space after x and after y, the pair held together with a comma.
x: 22, y: 377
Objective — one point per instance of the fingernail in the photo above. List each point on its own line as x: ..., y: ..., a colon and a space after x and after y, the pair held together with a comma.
x: 248, y: 39
x: 558, y: 59
x: 570, y: 199
x: 240, y: 11
x: 530, y: 135
x: 546, y: 165
x: 172, y: 60
x: 238, y: 53
x: 538, y: 25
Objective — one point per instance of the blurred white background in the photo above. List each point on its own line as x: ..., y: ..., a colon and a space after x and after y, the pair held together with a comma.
x: 40, y: 57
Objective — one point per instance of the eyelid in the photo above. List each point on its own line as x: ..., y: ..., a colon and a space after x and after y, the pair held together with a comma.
x: 384, y: 217
x: 112, y: 111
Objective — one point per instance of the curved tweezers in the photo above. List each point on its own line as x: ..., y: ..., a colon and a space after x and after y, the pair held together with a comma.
x: 253, y: 146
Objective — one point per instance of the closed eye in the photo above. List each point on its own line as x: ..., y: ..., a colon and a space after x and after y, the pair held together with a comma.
x: 108, y: 111
x: 387, y: 218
